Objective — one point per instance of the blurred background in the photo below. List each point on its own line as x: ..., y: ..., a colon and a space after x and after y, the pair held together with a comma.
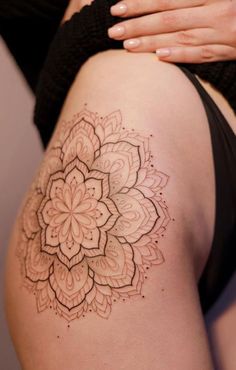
x: 20, y: 155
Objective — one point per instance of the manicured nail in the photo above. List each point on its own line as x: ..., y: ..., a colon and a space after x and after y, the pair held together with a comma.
x: 116, y: 31
x: 132, y: 43
x: 119, y: 9
x: 163, y: 52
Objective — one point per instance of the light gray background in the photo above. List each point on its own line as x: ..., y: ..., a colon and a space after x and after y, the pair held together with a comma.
x: 20, y: 154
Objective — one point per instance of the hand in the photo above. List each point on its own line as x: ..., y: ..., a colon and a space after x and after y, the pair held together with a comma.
x: 185, y: 31
x: 74, y: 7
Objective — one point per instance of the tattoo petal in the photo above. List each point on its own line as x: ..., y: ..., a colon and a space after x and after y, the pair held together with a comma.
x: 37, y: 264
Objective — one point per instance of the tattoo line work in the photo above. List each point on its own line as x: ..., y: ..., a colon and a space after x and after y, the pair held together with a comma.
x: 91, y: 223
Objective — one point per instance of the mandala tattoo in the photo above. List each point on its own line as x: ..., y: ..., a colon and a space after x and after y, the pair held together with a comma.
x: 91, y: 224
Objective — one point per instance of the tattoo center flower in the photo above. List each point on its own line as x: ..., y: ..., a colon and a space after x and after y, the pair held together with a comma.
x: 76, y: 213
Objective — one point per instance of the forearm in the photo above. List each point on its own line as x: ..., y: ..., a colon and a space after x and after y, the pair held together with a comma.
x: 74, y: 7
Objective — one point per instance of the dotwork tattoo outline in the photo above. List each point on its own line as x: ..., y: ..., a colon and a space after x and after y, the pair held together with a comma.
x: 90, y: 227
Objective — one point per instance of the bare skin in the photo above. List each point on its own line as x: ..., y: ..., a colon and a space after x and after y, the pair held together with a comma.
x: 223, y: 338
x: 187, y: 31
x: 152, y: 328
x: 73, y: 7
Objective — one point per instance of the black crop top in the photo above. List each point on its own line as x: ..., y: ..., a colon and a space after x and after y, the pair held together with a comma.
x: 85, y: 35
x: 28, y: 27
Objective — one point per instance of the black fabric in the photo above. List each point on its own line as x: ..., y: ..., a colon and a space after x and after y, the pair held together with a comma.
x: 85, y: 35
x: 222, y: 260
x: 77, y: 40
x: 28, y: 28
x: 222, y: 75
x: 42, y: 9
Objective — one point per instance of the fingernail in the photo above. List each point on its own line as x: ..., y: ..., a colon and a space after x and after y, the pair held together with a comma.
x: 116, y: 31
x: 163, y: 52
x: 119, y: 9
x: 132, y: 43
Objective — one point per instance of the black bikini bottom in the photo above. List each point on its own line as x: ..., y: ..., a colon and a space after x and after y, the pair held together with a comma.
x: 221, y: 263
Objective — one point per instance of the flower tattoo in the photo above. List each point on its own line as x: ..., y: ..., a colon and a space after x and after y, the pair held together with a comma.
x: 91, y: 224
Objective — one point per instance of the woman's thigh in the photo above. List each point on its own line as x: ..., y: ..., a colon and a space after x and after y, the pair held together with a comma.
x: 222, y: 331
x: 111, y: 239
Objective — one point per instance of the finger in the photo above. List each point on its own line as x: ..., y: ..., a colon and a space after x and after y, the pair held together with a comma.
x: 197, y: 54
x: 162, y: 22
x: 132, y: 8
x: 196, y: 37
